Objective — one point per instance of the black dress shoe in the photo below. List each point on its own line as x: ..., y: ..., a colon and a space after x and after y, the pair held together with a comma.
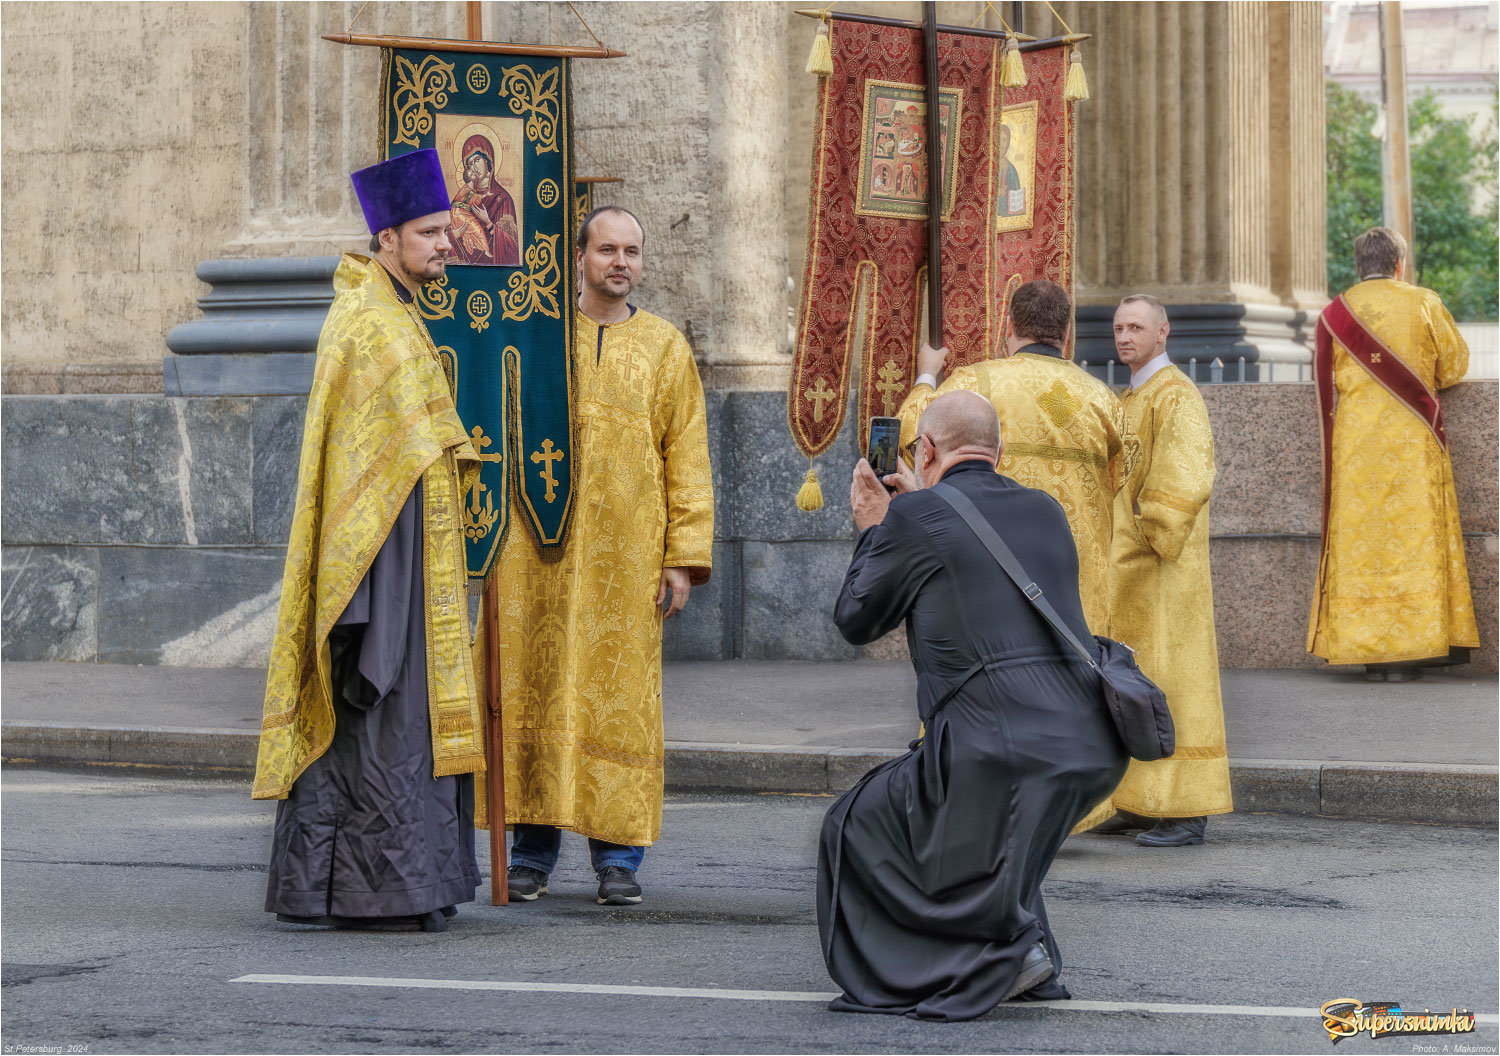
x: 1036, y: 968
x: 436, y: 920
x: 1122, y: 824
x: 1174, y: 832
x: 1392, y: 672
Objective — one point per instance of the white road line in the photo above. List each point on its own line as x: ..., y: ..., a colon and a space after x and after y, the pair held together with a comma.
x: 544, y: 988
x: 1163, y: 1008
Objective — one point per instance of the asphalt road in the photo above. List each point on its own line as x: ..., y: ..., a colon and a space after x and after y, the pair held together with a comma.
x: 131, y: 904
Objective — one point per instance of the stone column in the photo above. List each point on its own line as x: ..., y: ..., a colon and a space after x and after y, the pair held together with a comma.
x: 1302, y: 275
x: 747, y: 163
x: 1201, y: 173
x: 312, y: 112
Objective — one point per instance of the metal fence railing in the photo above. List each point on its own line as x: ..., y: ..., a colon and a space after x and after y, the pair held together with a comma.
x: 1211, y: 371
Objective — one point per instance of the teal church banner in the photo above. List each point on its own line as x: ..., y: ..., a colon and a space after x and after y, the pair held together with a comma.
x: 502, y: 317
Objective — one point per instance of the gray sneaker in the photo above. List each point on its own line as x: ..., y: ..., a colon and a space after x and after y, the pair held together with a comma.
x: 524, y: 883
x: 617, y: 887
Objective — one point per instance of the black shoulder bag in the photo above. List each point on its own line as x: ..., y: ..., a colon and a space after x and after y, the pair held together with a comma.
x: 1135, y: 703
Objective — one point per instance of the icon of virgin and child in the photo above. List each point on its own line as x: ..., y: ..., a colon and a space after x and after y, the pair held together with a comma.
x: 483, y: 227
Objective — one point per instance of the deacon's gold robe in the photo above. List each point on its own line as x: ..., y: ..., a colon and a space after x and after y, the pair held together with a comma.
x: 1162, y: 602
x: 580, y: 631
x: 380, y: 417
x: 1393, y: 584
x: 1063, y: 432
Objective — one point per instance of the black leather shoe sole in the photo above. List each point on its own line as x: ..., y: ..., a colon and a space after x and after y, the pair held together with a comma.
x: 1188, y: 841
x: 615, y: 898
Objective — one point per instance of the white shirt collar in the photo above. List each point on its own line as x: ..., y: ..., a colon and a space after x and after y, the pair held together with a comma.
x: 1147, y: 372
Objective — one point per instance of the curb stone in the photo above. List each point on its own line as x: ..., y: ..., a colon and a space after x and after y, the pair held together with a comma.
x: 1435, y: 793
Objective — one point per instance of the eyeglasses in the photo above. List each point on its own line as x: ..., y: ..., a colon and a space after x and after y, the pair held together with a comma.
x: 910, y: 450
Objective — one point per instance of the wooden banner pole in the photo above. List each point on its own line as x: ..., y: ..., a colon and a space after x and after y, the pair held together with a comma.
x: 494, y: 741
x: 935, y: 184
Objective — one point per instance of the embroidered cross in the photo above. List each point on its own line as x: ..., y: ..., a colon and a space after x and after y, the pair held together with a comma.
x: 609, y: 585
x: 626, y: 365
x: 546, y: 456
x: 1374, y: 357
x: 819, y: 395
x: 889, y: 384
x: 480, y: 443
x: 601, y: 503
x: 615, y: 664
x: 529, y: 578
x: 1060, y: 404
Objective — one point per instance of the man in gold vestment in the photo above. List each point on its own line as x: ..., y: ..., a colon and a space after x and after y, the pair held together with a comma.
x: 1162, y: 602
x: 580, y: 636
x: 1393, y: 585
x: 1061, y: 428
x: 372, y: 733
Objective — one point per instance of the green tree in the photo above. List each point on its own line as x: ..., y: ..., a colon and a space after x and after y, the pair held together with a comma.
x: 1457, y: 248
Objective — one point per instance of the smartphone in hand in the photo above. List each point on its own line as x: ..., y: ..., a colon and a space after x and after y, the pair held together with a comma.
x: 885, y: 443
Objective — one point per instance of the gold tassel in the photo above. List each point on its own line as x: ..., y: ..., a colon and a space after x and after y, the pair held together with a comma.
x: 810, y: 495
x: 1012, y: 72
x: 1076, y: 87
x: 820, y: 60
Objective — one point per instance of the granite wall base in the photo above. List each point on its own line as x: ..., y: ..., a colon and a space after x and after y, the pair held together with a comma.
x: 177, y: 605
x: 150, y: 529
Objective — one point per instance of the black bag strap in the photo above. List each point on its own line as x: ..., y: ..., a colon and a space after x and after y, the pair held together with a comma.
x: 1008, y: 561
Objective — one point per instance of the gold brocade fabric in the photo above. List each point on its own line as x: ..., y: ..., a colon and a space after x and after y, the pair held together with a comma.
x: 1162, y: 601
x: 1393, y: 584
x: 580, y: 633
x: 1063, y: 432
x: 380, y: 416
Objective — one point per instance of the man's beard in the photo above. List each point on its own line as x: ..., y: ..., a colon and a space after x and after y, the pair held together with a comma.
x: 436, y: 266
x: 435, y: 269
x: 603, y: 289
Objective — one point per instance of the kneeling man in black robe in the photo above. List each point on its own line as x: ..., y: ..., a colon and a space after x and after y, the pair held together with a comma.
x: 930, y: 869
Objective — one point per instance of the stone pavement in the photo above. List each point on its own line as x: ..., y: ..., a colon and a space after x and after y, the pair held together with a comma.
x: 1310, y: 742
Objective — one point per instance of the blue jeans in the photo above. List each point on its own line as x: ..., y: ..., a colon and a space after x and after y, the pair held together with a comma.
x: 537, y: 846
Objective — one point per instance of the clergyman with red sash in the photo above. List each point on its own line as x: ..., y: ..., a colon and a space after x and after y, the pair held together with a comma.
x: 1393, y: 585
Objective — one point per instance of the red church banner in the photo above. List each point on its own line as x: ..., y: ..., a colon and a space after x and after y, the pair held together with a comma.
x: 1006, y: 207
x: 1034, y: 156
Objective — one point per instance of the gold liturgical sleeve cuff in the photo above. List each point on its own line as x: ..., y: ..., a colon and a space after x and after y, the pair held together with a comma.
x: 1166, y: 521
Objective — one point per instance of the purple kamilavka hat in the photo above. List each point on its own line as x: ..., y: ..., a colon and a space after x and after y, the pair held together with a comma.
x: 401, y: 189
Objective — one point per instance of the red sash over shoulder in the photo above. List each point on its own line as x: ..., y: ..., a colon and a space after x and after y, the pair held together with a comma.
x: 1339, y: 323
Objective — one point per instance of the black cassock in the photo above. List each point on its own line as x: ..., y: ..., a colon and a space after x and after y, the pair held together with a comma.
x: 930, y: 869
x: 366, y: 830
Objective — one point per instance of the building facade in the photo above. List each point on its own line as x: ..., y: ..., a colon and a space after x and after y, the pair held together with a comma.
x: 221, y: 137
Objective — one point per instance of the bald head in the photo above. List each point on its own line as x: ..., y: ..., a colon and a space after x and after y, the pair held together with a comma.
x: 961, y: 420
